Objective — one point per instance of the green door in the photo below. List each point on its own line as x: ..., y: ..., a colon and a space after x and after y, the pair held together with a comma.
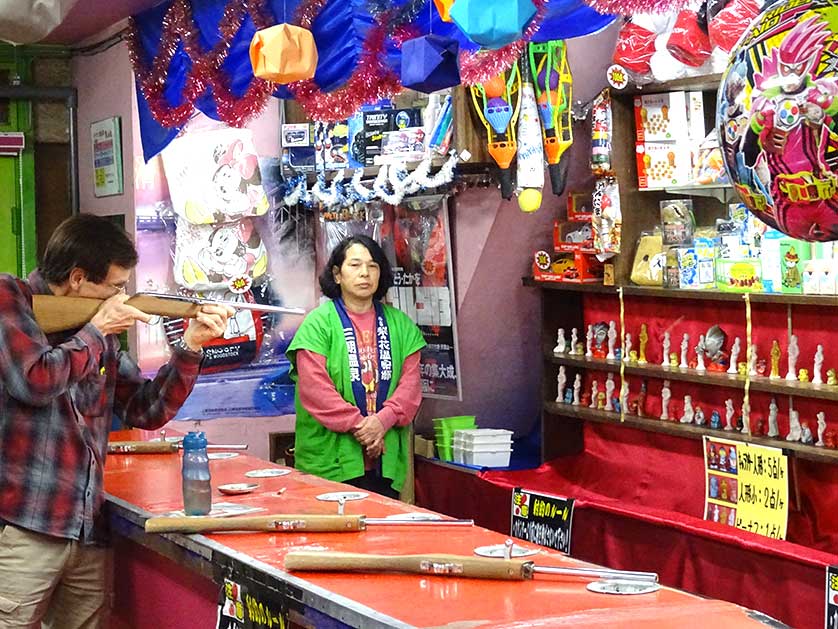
x: 9, y: 217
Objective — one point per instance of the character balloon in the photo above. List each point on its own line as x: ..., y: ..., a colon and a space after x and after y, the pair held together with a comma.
x: 777, y: 101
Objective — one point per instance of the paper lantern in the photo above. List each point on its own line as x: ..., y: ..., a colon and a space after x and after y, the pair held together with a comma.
x: 283, y: 54
x: 775, y: 119
x: 493, y: 23
x: 443, y: 7
x: 430, y: 63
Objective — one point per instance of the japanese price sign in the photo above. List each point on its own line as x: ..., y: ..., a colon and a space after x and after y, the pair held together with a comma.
x: 542, y: 519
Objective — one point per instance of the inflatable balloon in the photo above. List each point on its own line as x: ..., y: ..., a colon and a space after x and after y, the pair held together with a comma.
x: 776, y: 118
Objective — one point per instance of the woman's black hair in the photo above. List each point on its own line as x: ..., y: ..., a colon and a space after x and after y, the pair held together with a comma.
x: 331, y: 288
x: 91, y: 243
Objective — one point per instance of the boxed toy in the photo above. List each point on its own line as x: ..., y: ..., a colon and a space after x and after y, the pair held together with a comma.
x: 662, y: 164
x: 579, y: 206
x: 677, y: 221
x: 569, y: 236
x: 739, y: 276
x: 793, y: 255
x: 577, y: 267
x: 661, y: 117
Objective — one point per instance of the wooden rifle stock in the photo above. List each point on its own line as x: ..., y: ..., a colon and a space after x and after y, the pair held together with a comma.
x: 312, y: 523
x: 438, y: 564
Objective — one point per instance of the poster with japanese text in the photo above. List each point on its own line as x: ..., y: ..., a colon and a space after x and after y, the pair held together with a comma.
x: 746, y: 486
x: 542, y: 519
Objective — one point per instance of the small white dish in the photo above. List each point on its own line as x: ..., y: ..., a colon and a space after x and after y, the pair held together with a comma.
x: 335, y: 496
x: 497, y: 551
x: 237, y: 488
x: 613, y: 586
x: 268, y: 472
x: 215, y: 456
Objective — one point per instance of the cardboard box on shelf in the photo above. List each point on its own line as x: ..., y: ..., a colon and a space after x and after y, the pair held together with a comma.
x: 661, y: 117
x: 663, y: 164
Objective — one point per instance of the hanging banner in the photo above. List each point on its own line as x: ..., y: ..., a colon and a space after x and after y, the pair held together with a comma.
x: 542, y: 519
x: 746, y: 486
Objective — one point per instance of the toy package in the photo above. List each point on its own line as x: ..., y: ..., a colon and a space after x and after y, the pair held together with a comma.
x: 689, y: 42
x: 608, y: 219
x: 649, y: 260
x: 298, y: 152
x: 635, y: 47
x: 677, y: 221
x: 663, y: 164
x: 709, y: 166
x: 601, y: 134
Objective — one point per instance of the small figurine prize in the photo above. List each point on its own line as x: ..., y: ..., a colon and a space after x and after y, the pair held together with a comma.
x: 752, y: 361
x: 804, y: 375
x: 806, y: 434
x: 609, y: 393
x: 685, y: 343
x: 795, y: 431
x: 831, y: 377
x: 561, y: 344
x: 594, y: 391
x: 715, y: 420
x: 666, y: 394
x: 644, y: 338
x: 773, y: 429
x: 821, y: 428
x: 794, y: 352
x: 699, y: 354
x: 577, y: 389
x: 589, y: 341
x: 612, y: 339
x: 714, y: 349
x: 687, y: 417
x: 816, y: 371
x: 775, y: 360
x: 734, y: 355
x: 624, y: 393
x: 574, y: 338
x: 626, y: 353
x: 665, y: 351
x: 699, y: 416
x: 561, y: 380
x: 746, y: 417
x: 729, y: 414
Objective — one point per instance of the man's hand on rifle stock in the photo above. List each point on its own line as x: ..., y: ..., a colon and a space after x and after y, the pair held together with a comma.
x: 115, y: 316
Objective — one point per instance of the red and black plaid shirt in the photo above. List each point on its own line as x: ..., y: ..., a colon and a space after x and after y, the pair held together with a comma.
x: 58, y: 396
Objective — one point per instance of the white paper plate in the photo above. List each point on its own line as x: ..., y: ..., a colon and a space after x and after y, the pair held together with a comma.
x: 497, y: 550
x: 622, y: 587
x: 414, y: 515
x: 268, y: 472
x: 237, y: 488
x: 172, y: 439
x: 214, y: 456
x: 346, y: 495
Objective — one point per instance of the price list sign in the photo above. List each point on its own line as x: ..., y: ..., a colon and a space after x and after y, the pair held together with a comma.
x: 746, y: 486
x: 542, y: 519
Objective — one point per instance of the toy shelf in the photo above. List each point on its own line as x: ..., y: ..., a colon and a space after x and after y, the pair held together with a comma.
x: 555, y: 410
x: 758, y: 383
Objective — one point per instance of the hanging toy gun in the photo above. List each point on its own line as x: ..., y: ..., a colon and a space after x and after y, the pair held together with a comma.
x: 448, y: 565
x: 554, y: 93
x: 497, y: 103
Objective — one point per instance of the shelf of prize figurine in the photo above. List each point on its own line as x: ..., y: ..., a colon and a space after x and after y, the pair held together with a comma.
x: 631, y: 290
x: 689, y: 431
x: 733, y: 381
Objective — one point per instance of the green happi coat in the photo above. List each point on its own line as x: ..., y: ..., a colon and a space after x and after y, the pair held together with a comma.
x: 338, y: 456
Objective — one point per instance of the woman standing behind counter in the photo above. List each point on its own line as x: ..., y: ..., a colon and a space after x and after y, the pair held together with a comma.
x: 355, y: 361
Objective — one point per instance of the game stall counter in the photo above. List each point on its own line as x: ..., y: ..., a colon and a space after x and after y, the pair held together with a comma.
x: 187, y: 571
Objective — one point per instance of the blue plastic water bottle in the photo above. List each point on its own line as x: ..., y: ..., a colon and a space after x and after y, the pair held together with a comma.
x: 197, y: 498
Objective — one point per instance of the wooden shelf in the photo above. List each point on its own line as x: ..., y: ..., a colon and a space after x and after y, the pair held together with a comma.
x: 758, y: 383
x: 688, y: 431
x: 695, y: 83
x: 670, y: 293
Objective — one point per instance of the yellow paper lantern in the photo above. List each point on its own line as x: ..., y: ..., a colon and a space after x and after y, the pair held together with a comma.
x: 444, y: 6
x: 283, y: 54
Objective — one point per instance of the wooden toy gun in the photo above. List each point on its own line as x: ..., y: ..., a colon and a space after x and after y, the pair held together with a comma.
x: 285, y: 523
x: 554, y: 94
x: 58, y: 314
x: 160, y: 447
x: 448, y: 565
x: 497, y: 103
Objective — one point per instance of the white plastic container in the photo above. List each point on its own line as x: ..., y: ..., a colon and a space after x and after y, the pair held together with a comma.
x: 497, y: 436
x: 491, y: 458
x: 459, y: 457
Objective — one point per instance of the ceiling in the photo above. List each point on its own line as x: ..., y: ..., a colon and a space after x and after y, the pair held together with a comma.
x: 88, y: 17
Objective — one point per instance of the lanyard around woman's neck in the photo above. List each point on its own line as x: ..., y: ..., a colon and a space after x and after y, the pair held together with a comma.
x: 385, y: 361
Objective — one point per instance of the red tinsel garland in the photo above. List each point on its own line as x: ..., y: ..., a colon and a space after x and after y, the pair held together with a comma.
x: 178, y: 26
x: 632, y: 7
x: 482, y: 65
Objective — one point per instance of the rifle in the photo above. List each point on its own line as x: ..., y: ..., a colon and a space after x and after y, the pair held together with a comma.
x: 284, y: 523
x: 58, y: 314
x: 448, y: 565
x: 160, y: 447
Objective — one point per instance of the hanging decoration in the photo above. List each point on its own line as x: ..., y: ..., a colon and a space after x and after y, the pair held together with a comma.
x: 443, y: 7
x: 482, y: 65
x: 429, y: 63
x: 179, y: 30
x: 632, y: 7
x: 775, y: 119
x: 493, y: 23
x: 372, y: 79
x: 283, y: 53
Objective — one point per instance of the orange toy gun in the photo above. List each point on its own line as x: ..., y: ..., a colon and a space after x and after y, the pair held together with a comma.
x: 285, y: 523
x: 58, y: 314
x: 449, y: 566
x: 497, y: 103
x: 554, y: 93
